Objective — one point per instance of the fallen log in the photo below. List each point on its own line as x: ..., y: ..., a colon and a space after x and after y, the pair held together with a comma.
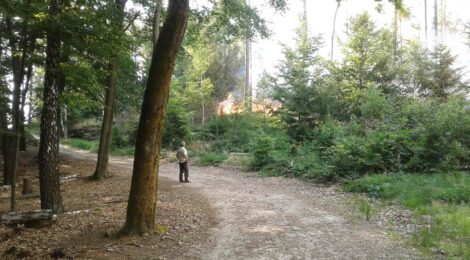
x: 76, y: 212
x: 26, y: 217
x: 68, y: 178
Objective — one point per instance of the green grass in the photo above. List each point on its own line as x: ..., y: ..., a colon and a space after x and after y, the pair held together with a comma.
x: 444, y: 197
x: 210, y: 158
x: 93, y: 146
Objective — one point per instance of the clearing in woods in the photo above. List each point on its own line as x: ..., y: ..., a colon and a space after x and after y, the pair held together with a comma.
x: 222, y: 214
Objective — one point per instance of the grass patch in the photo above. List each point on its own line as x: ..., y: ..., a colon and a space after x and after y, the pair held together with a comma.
x: 126, y: 151
x: 210, y: 158
x: 239, y: 160
x: 444, y: 197
x: 91, y: 146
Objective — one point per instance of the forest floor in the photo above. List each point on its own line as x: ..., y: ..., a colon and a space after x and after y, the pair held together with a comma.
x: 222, y: 214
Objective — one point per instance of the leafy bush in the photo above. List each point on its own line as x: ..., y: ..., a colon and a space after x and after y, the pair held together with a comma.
x: 261, y: 153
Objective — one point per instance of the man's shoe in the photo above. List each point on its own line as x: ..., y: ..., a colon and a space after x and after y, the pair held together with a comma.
x: 187, y: 181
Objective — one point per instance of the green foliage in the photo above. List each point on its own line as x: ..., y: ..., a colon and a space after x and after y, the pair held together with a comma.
x: 175, y: 125
x: 445, y: 197
x: 433, y: 73
x: 299, y: 85
x: 211, y: 158
x: 124, y: 132
x: 261, y: 153
x: 415, y: 190
x: 239, y: 132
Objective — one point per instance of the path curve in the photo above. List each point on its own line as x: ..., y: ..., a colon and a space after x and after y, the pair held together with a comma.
x: 274, y: 218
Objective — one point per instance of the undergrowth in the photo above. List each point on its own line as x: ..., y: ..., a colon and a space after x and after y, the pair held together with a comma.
x: 444, y: 197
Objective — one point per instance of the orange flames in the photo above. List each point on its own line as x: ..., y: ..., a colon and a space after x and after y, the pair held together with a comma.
x: 230, y: 106
x: 267, y: 106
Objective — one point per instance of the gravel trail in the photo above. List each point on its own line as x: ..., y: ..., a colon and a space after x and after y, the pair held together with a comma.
x: 280, y: 218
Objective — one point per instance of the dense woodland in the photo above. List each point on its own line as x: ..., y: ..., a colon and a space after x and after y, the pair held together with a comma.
x: 125, y: 78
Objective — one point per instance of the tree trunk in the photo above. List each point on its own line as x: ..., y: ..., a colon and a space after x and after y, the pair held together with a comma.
x: 156, y: 21
x: 304, y: 16
x: 141, y: 207
x: 426, y: 22
x: 338, y: 4
x: 49, y: 143
x: 23, y: 104
x: 395, y: 31
x: 435, y: 22
x: 101, y: 170
x: 248, y: 95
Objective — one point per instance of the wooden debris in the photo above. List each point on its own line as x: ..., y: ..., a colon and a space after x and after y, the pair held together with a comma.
x: 68, y: 178
x: 21, y: 217
x: 76, y: 212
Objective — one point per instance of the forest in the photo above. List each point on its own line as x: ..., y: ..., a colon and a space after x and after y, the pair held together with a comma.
x: 379, y: 115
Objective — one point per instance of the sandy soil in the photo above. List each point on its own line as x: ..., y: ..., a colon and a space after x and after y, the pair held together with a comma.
x: 222, y: 214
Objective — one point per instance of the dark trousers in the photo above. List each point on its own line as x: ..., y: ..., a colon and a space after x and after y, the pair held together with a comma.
x: 184, y: 168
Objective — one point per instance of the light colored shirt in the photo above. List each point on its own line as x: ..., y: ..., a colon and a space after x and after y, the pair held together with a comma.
x: 182, y: 154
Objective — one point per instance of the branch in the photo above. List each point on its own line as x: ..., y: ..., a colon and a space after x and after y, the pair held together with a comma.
x: 131, y: 21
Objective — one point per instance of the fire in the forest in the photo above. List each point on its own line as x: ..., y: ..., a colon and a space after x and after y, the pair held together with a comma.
x: 230, y: 106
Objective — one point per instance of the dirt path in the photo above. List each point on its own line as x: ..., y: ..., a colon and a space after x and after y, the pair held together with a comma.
x: 275, y: 218
x: 278, y: 218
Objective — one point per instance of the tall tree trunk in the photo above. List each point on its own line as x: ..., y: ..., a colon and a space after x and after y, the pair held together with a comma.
x: 156, y: 21
x: 101, y: 170
x: 248, y: 88
x: 49, y: 142
x: 426, y: 22
x: 338, y: 5
x: 141, y: 207
x: 435, y: 22
x: 304, y: 15
x: 395, y: 31
x: 18, y: 68
x: 23, y: 104
x: 61, y: 82
x: 4, y: 125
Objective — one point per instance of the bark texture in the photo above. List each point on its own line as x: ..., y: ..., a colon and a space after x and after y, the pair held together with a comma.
x: 101, y: 170
x: 156, y: 21
x: 49, y: 143
x: 141, y: 207
x: 338, y: 5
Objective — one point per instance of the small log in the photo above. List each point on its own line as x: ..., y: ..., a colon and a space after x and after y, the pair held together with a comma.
x: 25, y: 217
x: 116, y: 201
x: 76, y: 212
x: 68, y: 178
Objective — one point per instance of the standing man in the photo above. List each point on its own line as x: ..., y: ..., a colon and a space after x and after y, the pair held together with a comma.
x: 182, y: 155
